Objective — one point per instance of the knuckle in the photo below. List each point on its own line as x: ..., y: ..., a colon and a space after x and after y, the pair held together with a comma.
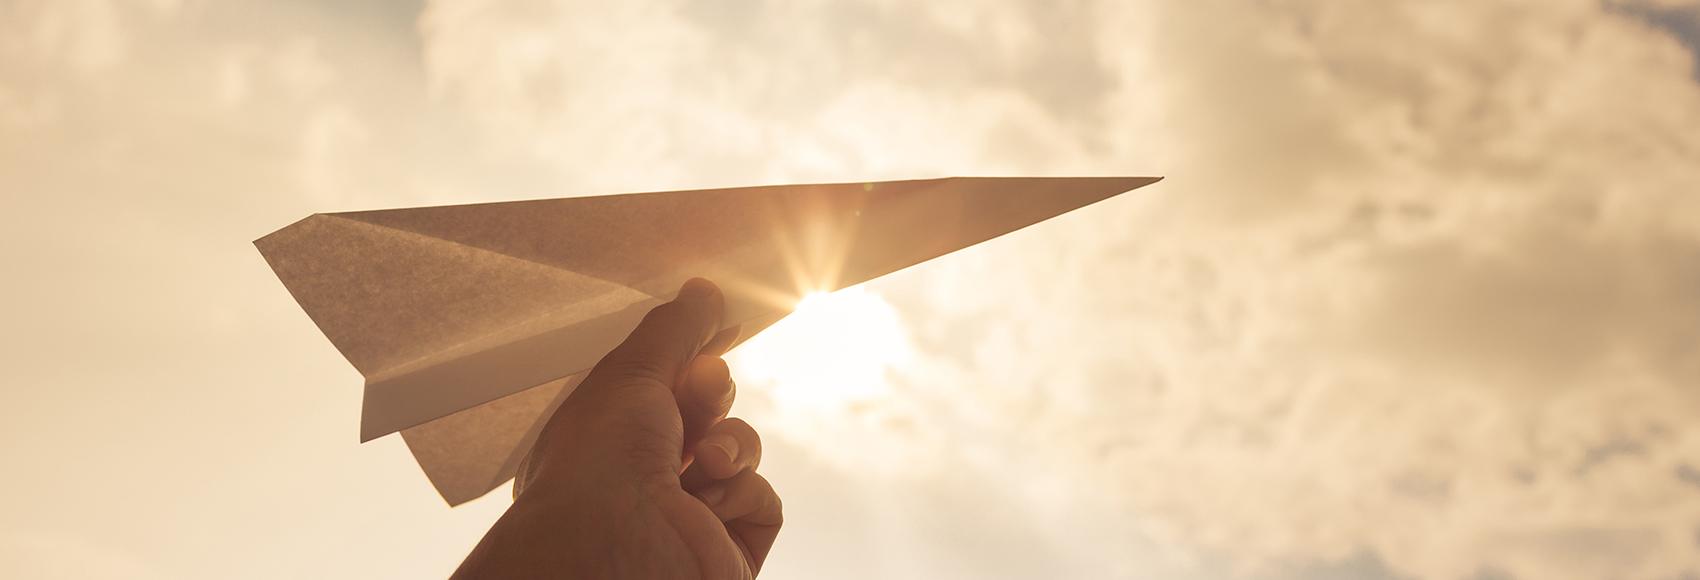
x: 671, y: 312
x: 745, y: 433
x: 738, y: 426
x: 636, y: 367
x: 770, y: 508
x: 723, y: 401
x: 657, y: 484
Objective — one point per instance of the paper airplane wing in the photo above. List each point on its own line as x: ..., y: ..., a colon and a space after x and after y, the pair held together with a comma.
x: 471, y: 323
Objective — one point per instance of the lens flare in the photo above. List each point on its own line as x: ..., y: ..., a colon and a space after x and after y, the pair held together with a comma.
x: 831, y: 352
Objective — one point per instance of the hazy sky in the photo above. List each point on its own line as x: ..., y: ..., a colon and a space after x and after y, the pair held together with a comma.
x: 1419, y: 297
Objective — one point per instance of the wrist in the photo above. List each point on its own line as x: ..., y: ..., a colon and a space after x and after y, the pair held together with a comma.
x: 541, y: 539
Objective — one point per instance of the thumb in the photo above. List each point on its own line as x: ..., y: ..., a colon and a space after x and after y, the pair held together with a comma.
x: 660, y: 350
x: 628, y: 397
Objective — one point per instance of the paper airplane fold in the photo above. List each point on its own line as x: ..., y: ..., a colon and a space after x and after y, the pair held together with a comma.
x: 471, y: 323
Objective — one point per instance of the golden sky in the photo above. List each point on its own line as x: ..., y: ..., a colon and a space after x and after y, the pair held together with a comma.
x: 1419, y: 297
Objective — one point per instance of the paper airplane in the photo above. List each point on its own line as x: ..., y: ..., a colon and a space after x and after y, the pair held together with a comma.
x: 471, y: 323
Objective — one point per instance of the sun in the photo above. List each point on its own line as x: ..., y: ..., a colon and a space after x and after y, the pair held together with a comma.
x: 834, y: 350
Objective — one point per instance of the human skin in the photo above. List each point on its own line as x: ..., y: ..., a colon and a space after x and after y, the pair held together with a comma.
x: 639, y: 474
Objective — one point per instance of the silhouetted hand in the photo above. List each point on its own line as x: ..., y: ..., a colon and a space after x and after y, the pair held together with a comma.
x: 639, y: 475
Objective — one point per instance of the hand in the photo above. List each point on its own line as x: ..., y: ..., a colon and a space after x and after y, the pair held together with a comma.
x: 639, y: 474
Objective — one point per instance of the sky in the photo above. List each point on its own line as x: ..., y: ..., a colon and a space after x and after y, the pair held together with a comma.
x: 1418, y: 298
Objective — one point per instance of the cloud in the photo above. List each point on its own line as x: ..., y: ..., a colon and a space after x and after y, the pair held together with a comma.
x: 85, y: 33
x: 1416, y: 300
x: 1413, y: 294
x: 1432, y: 299
x: 300, y: 68
x: 89, y: 36
x: 330, y: 140
x: 50, y: 556
x: 1681, y: 20
x: 736, y: 92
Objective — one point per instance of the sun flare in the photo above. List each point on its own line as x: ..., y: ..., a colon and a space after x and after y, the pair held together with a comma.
x: 833, y: 351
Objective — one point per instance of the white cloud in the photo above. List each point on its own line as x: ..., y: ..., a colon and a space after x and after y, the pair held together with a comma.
x: 331, y: 140
x: 1414, y: 289
x: 53, y: 556
x: 1418, y: 292
x: 300, y: 69
x: 1423, y: 287
x: 90, y: 36
x: 658, y: 94
x: 85, y: 33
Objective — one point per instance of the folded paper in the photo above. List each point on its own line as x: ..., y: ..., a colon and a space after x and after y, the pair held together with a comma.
x: 471, y: 323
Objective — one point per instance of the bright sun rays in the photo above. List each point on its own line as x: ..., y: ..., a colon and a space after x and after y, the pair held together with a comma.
x: 832, y: 352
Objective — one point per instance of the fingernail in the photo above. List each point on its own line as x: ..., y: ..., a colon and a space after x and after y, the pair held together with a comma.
x: 696, y: 288
x: 711, y: 497
x: 725, y: 444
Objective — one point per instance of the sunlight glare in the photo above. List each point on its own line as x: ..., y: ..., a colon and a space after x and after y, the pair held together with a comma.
x: 833, y: 351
